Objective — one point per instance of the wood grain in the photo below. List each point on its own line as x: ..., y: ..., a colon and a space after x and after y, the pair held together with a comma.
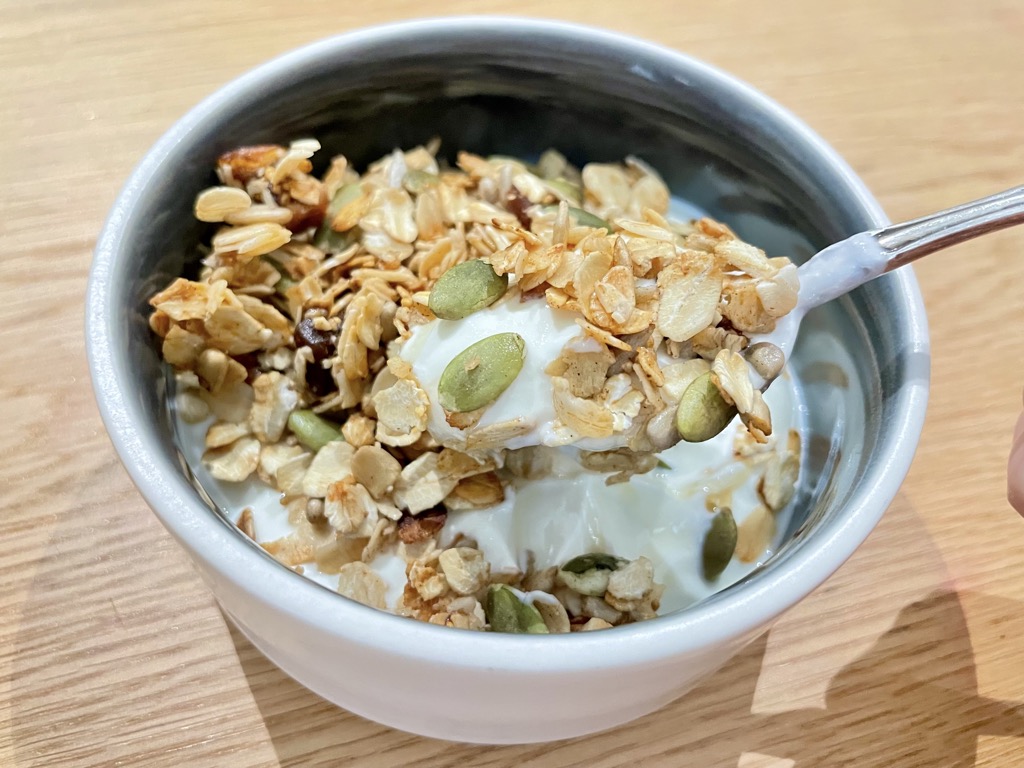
x: 113, y: 653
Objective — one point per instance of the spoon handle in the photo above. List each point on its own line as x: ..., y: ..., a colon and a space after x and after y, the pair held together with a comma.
x: 909, y: 241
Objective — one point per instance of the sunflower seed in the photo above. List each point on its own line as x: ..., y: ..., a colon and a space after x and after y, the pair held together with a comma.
x: 312, y: 430
x: 765, y: 358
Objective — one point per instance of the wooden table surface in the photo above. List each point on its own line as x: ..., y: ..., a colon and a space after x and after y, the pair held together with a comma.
x: 113, y: 653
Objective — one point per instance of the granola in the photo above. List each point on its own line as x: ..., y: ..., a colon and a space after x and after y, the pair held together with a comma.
x: 295, y: 348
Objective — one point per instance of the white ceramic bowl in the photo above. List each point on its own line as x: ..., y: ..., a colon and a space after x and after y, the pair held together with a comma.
x: 517, y: 87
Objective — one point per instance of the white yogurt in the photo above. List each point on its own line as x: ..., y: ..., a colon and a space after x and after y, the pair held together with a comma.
x: 545, y: 330
x: 660, y: 515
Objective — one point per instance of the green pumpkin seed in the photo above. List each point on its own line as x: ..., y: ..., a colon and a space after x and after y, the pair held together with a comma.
x: 719, y: 544
x: 589, y: 574
x: 416, y: 182
x: 478, y: 375
x: 312, y: 430
x: 581, y: 217
x: 567, y: 190
x: 702, y: 413
x: 507, y: 613
x: 466, y: 288
x: 588, y: 562
x: 326, y: 239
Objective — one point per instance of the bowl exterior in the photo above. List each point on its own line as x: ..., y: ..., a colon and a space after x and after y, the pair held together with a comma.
x: 453, y: 684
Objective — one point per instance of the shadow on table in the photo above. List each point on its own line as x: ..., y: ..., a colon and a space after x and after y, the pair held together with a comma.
x: 913, y: 694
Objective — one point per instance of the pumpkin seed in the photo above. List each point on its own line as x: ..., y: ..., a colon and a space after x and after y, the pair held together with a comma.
x: 584, y: 563
x: 326, y: 239
x: 312, y: 430
x: 719, y: 544
x: 466, y: 288
x: 588, y: 574
x: 478, y: 375
x: 581, y: 217
x: 702, y: 412
x: 567, y: 190
x: 507, y: 613
x: 765, y: 358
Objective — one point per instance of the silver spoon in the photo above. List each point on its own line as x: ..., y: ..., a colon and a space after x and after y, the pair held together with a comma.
x: 850, y: 263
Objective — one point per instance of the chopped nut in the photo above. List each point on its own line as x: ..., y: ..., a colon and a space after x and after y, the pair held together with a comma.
x: 413, y: 530
x: 425, y: 579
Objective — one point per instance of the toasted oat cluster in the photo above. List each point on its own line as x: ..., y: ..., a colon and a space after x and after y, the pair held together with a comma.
x: 288, y: 343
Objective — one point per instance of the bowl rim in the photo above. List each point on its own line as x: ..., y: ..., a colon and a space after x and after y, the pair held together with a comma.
x: 734, y: 614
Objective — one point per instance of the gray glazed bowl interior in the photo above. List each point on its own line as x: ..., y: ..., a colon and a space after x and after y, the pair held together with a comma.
x: 517, y: 88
